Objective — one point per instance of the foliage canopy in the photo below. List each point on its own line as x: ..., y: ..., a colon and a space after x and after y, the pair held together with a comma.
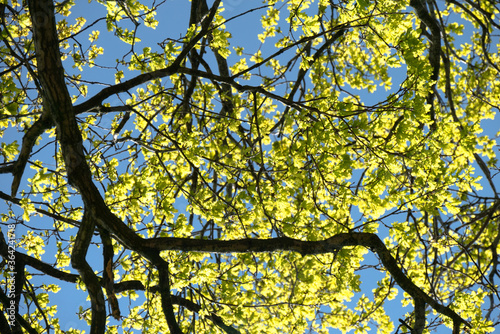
x: 296, y: 178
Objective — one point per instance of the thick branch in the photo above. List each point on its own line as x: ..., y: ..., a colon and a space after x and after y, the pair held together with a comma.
x: 166, y: 302
x: 82, y: 242
x: 46, y: 268
x: 96, y: 100
x: 419, y: 324
x: 57, y: 102
x: 108, y: 274
x: 434, y: 49
x: 225, y: 93
x: 4, y: 324
x: 339, y: 241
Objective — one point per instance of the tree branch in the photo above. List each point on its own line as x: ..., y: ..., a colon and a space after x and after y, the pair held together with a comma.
x: 166, y: 301
x: 419, y: 323
x: 434, y: 50
x: 108, y: 275
x: 29, y: 139
x: 193, y: 307
x: 176, y: 300
x: 16, y: 201
x: 96, y: 100
x: 57, y: 102
x: 330, y: 245
x: 82, y: 242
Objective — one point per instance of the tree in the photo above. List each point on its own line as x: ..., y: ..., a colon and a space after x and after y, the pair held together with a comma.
x: 241, y: 189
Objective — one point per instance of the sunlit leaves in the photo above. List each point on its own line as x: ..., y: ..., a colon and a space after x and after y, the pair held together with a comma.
x: 9, y: 151
x: 269, y: 23
x: 220, y: 37
x: 33, y: 244
x: 294, y: 137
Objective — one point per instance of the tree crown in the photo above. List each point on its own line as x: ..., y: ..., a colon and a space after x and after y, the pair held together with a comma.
x: 247, y: 185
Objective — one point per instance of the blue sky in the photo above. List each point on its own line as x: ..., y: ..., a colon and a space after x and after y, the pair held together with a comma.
x: 173, y: 23
x: 244, y: 32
